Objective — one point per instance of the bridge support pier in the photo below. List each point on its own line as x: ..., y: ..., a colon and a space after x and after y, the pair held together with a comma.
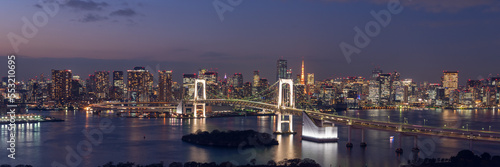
x: 195, y: 109
x: 399, y: 150
x: 281, y: 121
x: 363, y: 143
x: 415, y: 148
x: 349, y: 143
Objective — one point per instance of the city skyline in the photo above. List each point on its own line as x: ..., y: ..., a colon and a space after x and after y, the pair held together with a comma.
x: 250, y: 83
x: 425, y: 38
x: 247, y: 73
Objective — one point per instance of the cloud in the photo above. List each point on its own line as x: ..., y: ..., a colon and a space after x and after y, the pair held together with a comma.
x: 86, y: 5
x: 448, y: 23
x: 92, y: 18
x: 124, y: 12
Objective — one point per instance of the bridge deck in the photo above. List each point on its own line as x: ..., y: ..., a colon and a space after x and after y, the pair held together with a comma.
x: 407, y: 129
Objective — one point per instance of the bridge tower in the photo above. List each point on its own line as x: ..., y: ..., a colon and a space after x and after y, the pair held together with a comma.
x: 282, y: 105
x: 195, y: 104
x: 289, y: 82
x: 203, y: 82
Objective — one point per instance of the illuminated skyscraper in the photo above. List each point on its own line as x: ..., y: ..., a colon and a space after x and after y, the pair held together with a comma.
x: 302, y: 79
x: 288, y: 74
x: 117, y: 90
x: 139, y: 82
x: 281, y: 68
x: 102, y: 84
x: 256, y: 79
x: 165, y: 86
x: 210, y: 76
x: 376, y: 73
x: 238, y: 80
x: 310, y: 83
x: 450, y: 82
x: 188, y: 84
x: 385, y: 88
x: 90, y: 84
x: 61, y: 85
x: 310, y: 78
x: 247, y: 89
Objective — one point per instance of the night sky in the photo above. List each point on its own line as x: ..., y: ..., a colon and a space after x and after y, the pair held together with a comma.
x: 427, y: 37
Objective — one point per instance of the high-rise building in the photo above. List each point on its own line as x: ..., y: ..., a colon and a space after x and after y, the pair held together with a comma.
x: 255, y: 85
x: 76, y: 88
x: 102, y: 84
x: 288, y: 74
x: 310, y: 78
x: 61, y: 85
x: 188, y: 84
x: 247, y: 89
x: 495, y: 81
x: 281, y: 68
x: 385, y: 88
x: 210, y: 76
x: 297, y: 79
x: 376, y: 73
x: 450, y: 82
x: 118, y: 88
x: 264, y: 84
x: 396, y: 76
x: 310, y: 83
x: 138, y: 83
x: 302, y: 77
x: 238, y: 80
x: 397, y: 89
x: 374, y: 94
x: 165, y: 86
x: 4, y: 81
x: 90, y: 84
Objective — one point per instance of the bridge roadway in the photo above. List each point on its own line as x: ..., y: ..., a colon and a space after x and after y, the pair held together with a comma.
x: 407, y: 129
x: 135, y: 106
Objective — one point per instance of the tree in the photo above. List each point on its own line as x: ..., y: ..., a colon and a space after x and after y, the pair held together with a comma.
x: 271, y: 163
x: 253, y: 161
x: 486, y: 156
x: 227, y: 164
x: 175, y: 164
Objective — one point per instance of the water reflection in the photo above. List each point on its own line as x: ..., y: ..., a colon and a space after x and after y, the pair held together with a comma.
x: 45, y: 142
x: 323, y: 153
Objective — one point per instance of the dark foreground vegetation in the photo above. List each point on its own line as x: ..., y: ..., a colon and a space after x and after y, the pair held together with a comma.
x: 284, y: 163
x: 464, y: 158
x: 247, y: 138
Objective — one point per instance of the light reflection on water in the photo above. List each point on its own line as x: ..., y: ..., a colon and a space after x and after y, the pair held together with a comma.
x: 154, y: 140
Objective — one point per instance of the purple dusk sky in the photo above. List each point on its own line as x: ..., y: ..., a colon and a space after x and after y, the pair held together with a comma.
x: 425, y: 38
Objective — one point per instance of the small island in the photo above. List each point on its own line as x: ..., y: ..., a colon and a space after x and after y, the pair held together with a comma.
x: 247, y: 138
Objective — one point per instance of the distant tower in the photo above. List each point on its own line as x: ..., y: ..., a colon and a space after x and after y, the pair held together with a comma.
x: 302, y: 81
